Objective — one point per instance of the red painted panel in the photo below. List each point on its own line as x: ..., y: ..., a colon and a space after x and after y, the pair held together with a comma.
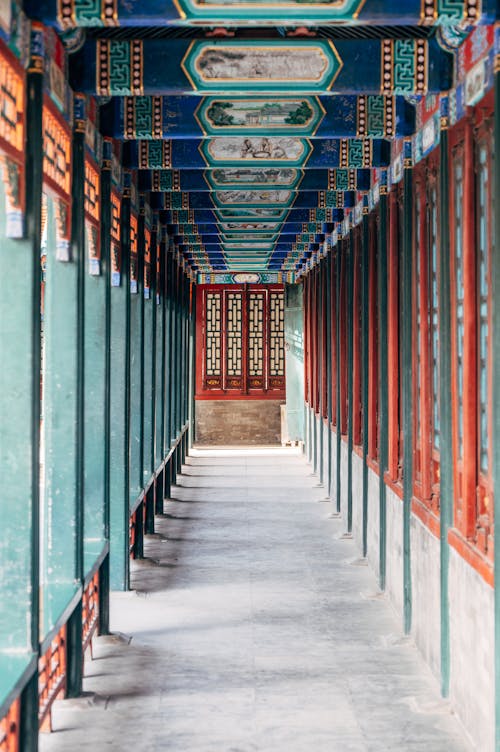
x: 217, y: 376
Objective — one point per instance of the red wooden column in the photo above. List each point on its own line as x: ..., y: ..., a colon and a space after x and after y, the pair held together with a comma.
x: 357, y: 406
x: 393, y: 338
x: 467, y: 522
x: 373, y: 355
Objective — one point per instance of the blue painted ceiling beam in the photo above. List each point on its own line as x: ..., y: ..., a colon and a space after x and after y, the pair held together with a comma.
x: 235, y: 152
x: 68, y: 13
x: 307, y: 66
x: 254, y: 179
x: 232, y: 200
x: 173, y: 117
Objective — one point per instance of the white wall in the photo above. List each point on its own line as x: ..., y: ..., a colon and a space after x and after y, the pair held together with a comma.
x: 343, y: 479
x: 373, y: 521
x: 394, y: 537
x: 471, y: 598
x: 472, y: 689
x: 426, y: 593
x: 357, y: 501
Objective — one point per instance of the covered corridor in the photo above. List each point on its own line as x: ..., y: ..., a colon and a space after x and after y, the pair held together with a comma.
x: 253, y: 624
x: 259, y: 223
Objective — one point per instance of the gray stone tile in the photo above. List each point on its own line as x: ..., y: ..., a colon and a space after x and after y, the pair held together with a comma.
x: 253, y: 630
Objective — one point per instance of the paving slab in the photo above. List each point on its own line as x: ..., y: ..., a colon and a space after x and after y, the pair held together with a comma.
x: 253, y: 627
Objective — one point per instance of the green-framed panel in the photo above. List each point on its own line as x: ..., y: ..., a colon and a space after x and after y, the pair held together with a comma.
x: 94, y: 401
x: 148, y: 401
x: 60, y: 576
x: 159, y: 449
x: 20, y: 293
x: 136, y: 371
x: 350, y: 382
x: 119, y: 413
x: 339, y: 261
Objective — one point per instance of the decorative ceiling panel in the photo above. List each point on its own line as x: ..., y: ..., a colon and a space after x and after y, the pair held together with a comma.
x: 258, y: 126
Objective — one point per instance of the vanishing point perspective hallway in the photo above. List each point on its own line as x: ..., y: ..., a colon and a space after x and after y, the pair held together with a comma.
x: 253, y: 625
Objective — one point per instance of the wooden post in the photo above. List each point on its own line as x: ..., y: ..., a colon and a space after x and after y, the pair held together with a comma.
x: 383, y: 374
x: 445, y: 409
x: 365, y: 334
x: 406, y: 376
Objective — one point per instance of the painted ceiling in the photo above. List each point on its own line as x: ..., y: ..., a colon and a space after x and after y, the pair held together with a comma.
x: 256, y: 125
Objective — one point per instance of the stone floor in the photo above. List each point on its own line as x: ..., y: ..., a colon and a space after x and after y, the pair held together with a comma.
x: 253, y: 626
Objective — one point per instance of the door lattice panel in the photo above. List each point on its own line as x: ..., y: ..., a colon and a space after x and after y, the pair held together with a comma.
x: 234, y: 344
x: 276, y: 339
x: 241, y: 341
x: 213, y: 339
x: 256, y: 340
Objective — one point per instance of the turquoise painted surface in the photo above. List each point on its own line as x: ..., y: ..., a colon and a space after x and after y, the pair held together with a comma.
x: 16, y: 446
x: 59, y: 374
x: 294, y: 347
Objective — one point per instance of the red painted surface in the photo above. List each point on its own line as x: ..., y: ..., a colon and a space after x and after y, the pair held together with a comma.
x: 343, y: 339
x: 473, y: 489
x: 324, y: 314
x: 306, y: 325
x: 51, y: 678
x: 468, y: 551
x: 426, y: 458
x: 373, y: 347
x: 314, y: 340
x: 393, y: 355
x: 243, y: 385
x: 9, y: 728
x: 333, y: 314
x: 90, y: 611
x: 357, y: 434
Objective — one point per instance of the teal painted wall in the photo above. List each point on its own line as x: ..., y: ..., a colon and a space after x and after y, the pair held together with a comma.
x: 294, y: 349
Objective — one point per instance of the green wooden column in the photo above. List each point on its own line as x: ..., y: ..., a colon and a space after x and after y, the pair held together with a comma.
x: 178, y: 363
x: 136, y: 366
x: 159, y: 448
x: 183, y: 365
x: 148, y: 399
x: 174, y: 367
x: 137, y: 385
x: 106, y: 228
x: 446, y: 458
x: 192, y: 367
x: 321, y: 366
x: 185, y: 380
x: 168, y: 368
x: 119, y: 407
x: 183, y: 368
x: 406, y: 370
x: 20, y: 281
x: 160, y: 352
x: 365, y: 276
x: 329, y: 405
x: 495, y: 303
x: 308, y: 417
x: 315, y: 306
x: 350, y: 351
x: 74, y: 626
x: 339, y: 261
x: 174, y: 374
x: 383, y: 375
